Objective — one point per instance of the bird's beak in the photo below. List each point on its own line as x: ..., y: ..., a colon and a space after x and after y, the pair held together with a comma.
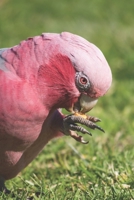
x: 84, y: 104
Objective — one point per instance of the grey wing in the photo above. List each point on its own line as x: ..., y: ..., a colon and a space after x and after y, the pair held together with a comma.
x: 2, y: 60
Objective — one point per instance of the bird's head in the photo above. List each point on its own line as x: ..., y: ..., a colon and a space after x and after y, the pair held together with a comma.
x: 79, y: 67
x: 93, y: 75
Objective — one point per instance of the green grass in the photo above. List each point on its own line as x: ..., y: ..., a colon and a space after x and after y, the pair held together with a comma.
x: 103, y: 169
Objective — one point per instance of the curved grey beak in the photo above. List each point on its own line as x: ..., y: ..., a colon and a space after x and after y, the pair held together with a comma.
x: 84, y: 104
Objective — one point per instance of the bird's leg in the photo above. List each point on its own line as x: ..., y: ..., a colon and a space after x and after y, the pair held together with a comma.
x: 3, y: 187
x: 70, y: 125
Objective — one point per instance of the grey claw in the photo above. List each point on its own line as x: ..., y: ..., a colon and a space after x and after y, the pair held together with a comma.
x: 75, y: 127
x: 84, y: 142
x: 93, y: 119
x: 78, y: 138
x: 99, y: 128
x: 70, y: 126
x: 86, y: 122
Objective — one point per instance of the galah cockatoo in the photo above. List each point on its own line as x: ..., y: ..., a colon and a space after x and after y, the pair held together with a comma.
x: 37, y: 77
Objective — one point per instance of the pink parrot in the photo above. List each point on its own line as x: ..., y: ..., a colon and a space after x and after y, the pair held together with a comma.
x: 37, y: 77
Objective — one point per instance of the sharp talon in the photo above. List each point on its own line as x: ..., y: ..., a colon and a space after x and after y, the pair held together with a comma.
x: 84, y: 142
x: 98, y: 120
x: 84, y: 131
x: 75, y: 127
x: 93, y: 119
x: 78, y: 138
x: 99, y: 128
x: 89, y: 133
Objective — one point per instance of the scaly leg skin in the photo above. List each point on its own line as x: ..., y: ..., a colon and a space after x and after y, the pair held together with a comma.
x: 3, y: 187
x: 70, y: 125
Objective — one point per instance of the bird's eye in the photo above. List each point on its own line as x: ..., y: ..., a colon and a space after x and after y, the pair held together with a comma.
x: 82, y: 82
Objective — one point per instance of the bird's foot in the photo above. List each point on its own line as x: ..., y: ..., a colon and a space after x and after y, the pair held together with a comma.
x: 3, y: 187
x: 70, y: 125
